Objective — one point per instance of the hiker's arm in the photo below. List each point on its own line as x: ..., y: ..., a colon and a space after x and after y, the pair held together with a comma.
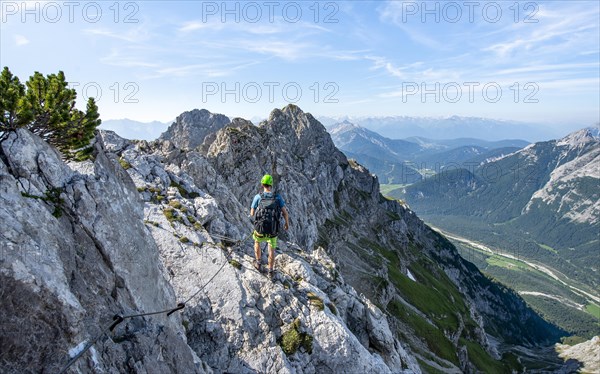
x: 285, y: 216
x: 254, y: 205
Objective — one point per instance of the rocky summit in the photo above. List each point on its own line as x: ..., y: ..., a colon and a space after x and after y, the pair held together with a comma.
x: 190, y: 128
x: 362, y: 284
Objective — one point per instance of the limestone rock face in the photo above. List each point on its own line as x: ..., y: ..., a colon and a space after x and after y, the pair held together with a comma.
x: 190, y: 128
x: 586, y: 353
x: 75, y: 252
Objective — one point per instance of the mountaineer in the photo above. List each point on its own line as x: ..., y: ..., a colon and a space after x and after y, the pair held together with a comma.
x: 266, y: 209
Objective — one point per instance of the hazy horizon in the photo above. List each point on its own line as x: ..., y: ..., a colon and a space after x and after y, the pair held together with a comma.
x: 549, y: 132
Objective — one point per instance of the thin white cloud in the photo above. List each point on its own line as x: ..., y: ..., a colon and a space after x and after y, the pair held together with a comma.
x: 279, y: 48
x: 559, y: 86
x: 351, y: 55
x: 548, y: 67
x: 197, y: 25
x: 21, y: 40
x: 393, y: 11
x: 277, y: 27
x: 187, y: 70
x: 135, y: 35
x: 560, y: 30
x: 416, y: 71
x: 209, y: 70
x: 117, y: 59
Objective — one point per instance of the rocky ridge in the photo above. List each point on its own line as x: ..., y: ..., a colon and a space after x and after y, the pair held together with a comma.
x: 147, y: 224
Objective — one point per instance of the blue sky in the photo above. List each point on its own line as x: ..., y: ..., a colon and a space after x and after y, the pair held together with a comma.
x: 152, y: 60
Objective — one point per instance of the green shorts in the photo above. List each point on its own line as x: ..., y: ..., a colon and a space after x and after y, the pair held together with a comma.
x: 261, y: 239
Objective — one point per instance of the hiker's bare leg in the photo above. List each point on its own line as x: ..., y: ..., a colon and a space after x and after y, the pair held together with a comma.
x: 271, y: 257
x: 257, y: 253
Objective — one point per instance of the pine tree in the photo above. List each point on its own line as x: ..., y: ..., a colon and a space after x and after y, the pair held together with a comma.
x: 46, y: 107
x: 12, y: 93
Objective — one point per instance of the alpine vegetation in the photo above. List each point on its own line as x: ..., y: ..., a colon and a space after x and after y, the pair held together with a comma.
x: 46, y: 107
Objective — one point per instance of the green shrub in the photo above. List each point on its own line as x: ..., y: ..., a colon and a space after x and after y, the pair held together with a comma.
x: 183, y: 192
x: 235, y: 264
x: 175, y: 204
x: 83, y: 154
x: 170, y: 214
x: 293, y: 339
x: 126, y: 165
x: 184, y: 239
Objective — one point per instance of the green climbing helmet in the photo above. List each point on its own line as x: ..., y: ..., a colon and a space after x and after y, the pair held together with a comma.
x: 267, y: 179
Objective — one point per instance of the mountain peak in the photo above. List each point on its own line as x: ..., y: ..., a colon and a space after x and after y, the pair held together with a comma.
x: 345, y: 126
x: 290, y: 110
x: 580, y: 138
x: 291, y: 119
x: 190, y: 128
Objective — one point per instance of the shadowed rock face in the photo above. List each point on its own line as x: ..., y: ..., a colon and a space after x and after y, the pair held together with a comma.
x: 190, y: 128
x: 145, y: 238
x: 63, y: 278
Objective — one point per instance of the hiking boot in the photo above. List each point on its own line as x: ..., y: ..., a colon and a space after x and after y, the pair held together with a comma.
x: 257, y: 265
x: 271, y: 274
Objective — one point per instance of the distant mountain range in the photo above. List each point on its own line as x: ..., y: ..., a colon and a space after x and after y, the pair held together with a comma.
x: 393, y: 127
x: 402, y: 127
x: 404, y: 161
x: 130, y: 129
x: 547, y: 193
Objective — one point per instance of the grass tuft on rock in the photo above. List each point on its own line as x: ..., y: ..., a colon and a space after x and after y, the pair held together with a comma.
x: 315, y: 300
x: 293, y: 339
x: 124, y: 164
x: 170, y: 214
x: 332, y: 308
x: 183, y: 192
x: 51, y: 196
x: 175, y: 204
